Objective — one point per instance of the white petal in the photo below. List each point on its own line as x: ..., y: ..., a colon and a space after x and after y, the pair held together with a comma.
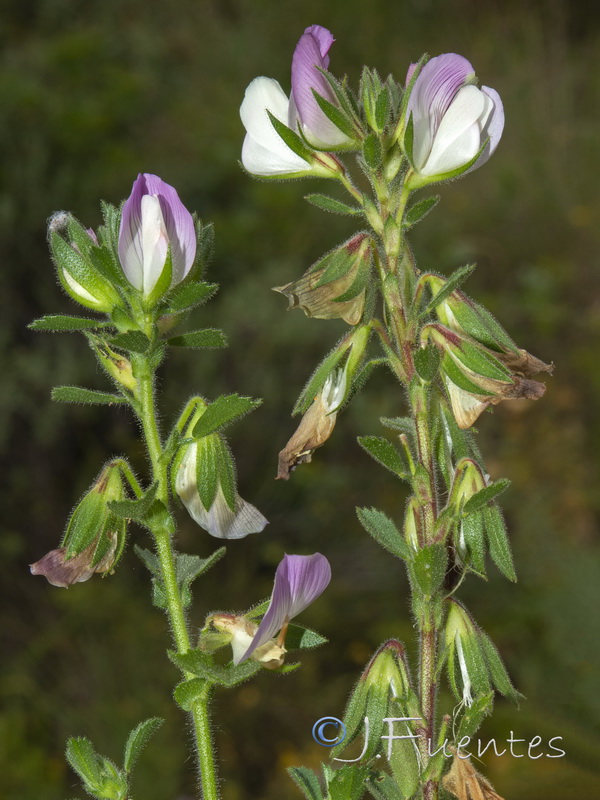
x: 155, y: 242
x: 458, y: 137
x: 264, y: 152
x: 466, y: 407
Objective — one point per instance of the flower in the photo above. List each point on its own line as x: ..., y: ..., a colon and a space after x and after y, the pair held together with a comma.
x: 452, y: 118
x: 225, y: 515
x: 264, y: 152
x: 299, y: 580
x: 64, y: 572
x: 154, y: 224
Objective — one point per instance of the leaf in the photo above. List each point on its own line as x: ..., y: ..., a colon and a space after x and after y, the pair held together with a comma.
x: 372, y: 152
x: 138, y: 739
x: 133, y: 341
x: 382, y: 108
x: 201, y: 664
x: 57, y: 323
x: 188, y: 295
x: 474, y: 715
x: 208, y: 337
x: 498, y: 673
x: 429, y: 568
x: 300, y: 638
x: 404, y: 425
x: 83, y: 759
x: 483, y: 496
x: 223, y: 411
x: 187, y: 692
x: 135, y: 509
x: 384, y: 452
x: 419, y: 211
x: 348, y: 782
x: 453, y: 282
x: 473, y: 533
x: 308, y: 783
x: 340, y: 119
x: 77, y: 394
x: 327, y: 203
x: 383, y: 530
x: 495, y: 530
x: 383, y: 787
x: 293, y: 141
x: 189, y: 567
x: 427, y: 362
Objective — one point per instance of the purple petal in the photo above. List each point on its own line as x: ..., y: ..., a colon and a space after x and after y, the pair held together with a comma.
x: 324, y: 39
x: 410, y: 72
x: 130, y: 244
x: 299, y: 580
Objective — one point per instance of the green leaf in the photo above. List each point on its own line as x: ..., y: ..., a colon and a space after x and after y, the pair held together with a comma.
x: 419, y: 211
x: 77, y: 394
x: 384, y: 452
x: 327, y: 203
x: 473, y: 532
x: 301, y: 638
x: 138, y: 739
x: 135, y: 509
x: 293, y: 141
x: 308, y: 783
x: 495, y: 530
x: 498, y: 673
x: 372, y: 152
x: 200, y: 664
x: 133, y: 341
x: 404, y: 425
x: 429, y: 568
x: 383, y: 530
x: 427, y: 362
x: 383, y: 787
x: 83, y: 759
x: 188, y: 295
x: 453, y: 282
x: 483, y: 496
x: 474, y: 715
x: 382, y: 108
x: 348, y: 782
x: 57, y: 323
x: 340, y: 119
x: 222, y: 412
x: 188, y: 692
x: 208, y: 337
x: 189, y: 567
x: 320, y: 375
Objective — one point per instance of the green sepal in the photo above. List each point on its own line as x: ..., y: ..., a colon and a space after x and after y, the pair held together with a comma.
x: 427, y: 362
x: 207, y: 469
x: 300, y: 638
x: 384, y: 531
x: 497, y: 670
x: 188, y: 692
x: 60, y: 323
x: 291, y: 139
x: 458, y: 377
x: 320, y: 375
x: 132, y: 341
x: 497, y: 538
x: 87, y: 522
x: 104, y: 262
x: 453, y: 282
x: 459, y: 439
x: 344, y: 96
x: 474, y: 715
x: 201, y: 664
x: 77, y: 394
x: 429, y: 568
x: 404, y: 425
x: 382, y: 786
x: 137, y: 509
x: 347, y: 782
x: 138, y: 739
x: 327, y: 203
x: 473, y: 533
x: 359, y: 284
x: 207, y: 337
x: 308, y: 783
x: 404, y: 763
x: 186, y: 296
x: 372, y: 151
x: 426, y: 180
x: 222, y: 412
x: 341, y: 119
x: 482, y: 363
x: 386, y: 454
x: 419, y: 211
x: 382, y: 108
x: 483, y: 496
x: 477, y: 322
x: 205, y: 245
x: 408, y: 141
x: 163, y: 284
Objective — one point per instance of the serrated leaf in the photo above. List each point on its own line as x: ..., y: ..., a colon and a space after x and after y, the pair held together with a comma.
x: 189, y: 295
x: 208, y: 337
x: 188, y: 692
x: 495, y: 531
x: 293, y: 141
x: 386, y: 454
x: 83, y: 759
x: 308, y: 783
x: 327, y: 203
x: 429, y: 568
x: 300, y: 638
x: 483, y: 496
x: 383, y: 530
x: 454, y: 281
x: 77, y: 394
x: 133, y: 341
x: 340, y: 119
x: 222, y: 412
x: 135, y: 509
x: 138, y: 739
x: 427, y: 362
x: 58, y: 323
x: 419, y: 211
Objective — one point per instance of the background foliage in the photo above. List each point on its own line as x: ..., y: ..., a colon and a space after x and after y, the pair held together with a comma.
x: 92, y: 93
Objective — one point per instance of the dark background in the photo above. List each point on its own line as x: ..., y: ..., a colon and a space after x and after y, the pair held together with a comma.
x: 91, y: 94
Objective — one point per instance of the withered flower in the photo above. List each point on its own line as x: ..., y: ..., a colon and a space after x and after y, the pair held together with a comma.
x: 64, y: 572
x: 464, y: 782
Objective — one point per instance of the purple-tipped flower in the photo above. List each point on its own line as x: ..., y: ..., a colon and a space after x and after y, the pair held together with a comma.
x: 452, y: 118
x: 299, y: 580
x: 154, y: 219
x: 264, y: 152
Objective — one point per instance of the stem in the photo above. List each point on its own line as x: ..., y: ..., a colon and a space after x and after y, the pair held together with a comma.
x: 164, y: 550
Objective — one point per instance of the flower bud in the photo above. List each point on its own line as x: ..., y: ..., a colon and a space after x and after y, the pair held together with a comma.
x: 411, y: 523
x: 387, y: 672
x: 461, y: 639
x: 334, y: 287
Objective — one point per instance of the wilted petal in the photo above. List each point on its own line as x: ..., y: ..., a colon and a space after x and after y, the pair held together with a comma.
x: 465, y: 783
x: 299, y: 580
x: 64, y: 572
x: 264, y: 152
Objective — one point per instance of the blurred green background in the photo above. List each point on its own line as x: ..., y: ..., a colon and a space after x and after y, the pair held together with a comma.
x: 95, y: 92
